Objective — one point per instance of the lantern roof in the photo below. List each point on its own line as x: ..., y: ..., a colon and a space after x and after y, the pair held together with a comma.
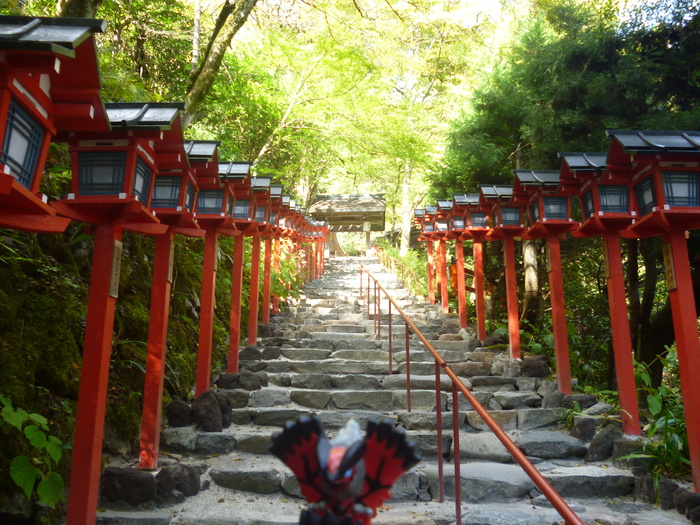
x: 286, y: 199
x: 64, y: 49
x: 584, y: 162
x: 55, y: 35
x: 261, y: 183
x: 234, y: 170
x: 431, y: 209
x: 419, y: 213
x: 539, y: 178
x: 143, y: 115
x: 634, y: 141
x: 201, y: 150
x: 465, y: 199
x: 496, y: 192
x: 444, y: 205
x: 276, y: 191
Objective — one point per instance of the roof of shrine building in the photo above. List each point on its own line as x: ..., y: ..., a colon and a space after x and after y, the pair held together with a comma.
x: 351, y: 213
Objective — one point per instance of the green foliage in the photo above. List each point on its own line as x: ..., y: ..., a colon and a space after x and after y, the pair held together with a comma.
x: 666, y: 442
x: 46, y: 452
x: 414, y: 261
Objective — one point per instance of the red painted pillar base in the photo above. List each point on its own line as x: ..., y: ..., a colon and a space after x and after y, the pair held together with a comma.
x: 512, y: 298
x: 621, y: 337
x: 685, y: 326
x: 559, y: 330
x: 266, y: 281
x: 461, y: 290
x: 236, y: 294
x: 478, y: 252
x: 94, y: 374
x: 431, y: 273
x: 444, y: 289
x: 206, y: 312
x: 155, y: 358
x: 254, y: 292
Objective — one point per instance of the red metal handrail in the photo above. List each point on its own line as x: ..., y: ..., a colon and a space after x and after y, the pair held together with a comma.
x: 457, y: 386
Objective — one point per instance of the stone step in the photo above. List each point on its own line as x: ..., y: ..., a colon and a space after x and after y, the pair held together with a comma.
x: 345, y: 329
x: 334, y: 336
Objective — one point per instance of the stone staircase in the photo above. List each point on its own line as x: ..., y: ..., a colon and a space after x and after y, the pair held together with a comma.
x: 320, y: 357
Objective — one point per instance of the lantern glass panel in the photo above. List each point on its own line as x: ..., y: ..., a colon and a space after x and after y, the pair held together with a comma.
x: 210, y: 201
x: 646, y: 196
x: 478, y: 220
x: 555, y: 207
x: 614, y: 199
x: 442, y: 226
x: 229, y: 206
x: 587, y: 204
x: 273, y: 218
x: 166, y: 192
x: 510, y: 216
x: 101, y: 173
x: 535, y: 211
x: 189, y: 199
x: 458, y: 223
x: 142, y: 180
x: 680, y: 189
x: 20, y: 151
x: 429, y: 227
x: 241, y: 209
x: 260, y: 214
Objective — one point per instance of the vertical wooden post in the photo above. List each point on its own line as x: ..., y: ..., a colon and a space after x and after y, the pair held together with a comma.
x: 478, y: 252
x: 556, y: 298
x: 236, y: 295
x: 685, y: 326
x: 276, y: 266
x: 155, y: 357
x: 94, y: 375
x: 266, y: 281
x: 444, y: 289
x: 431, y: 272
x: 461, y: 287
x: 254, y: 292
x: 206, y: 312
x: 512, y: 298
x: 621, y: 337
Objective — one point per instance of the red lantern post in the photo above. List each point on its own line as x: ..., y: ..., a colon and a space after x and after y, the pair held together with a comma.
x: 605, y: 206
x: 508, y: 227
x: 662, y: 167
x: 113, y: 178
x: 549, y: 207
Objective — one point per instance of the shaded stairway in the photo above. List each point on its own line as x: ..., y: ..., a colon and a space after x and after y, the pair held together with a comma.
x: 320, y: 357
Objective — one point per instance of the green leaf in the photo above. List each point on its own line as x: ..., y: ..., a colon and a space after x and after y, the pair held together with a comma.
x: 35, y: 436
x: 6, y: 401
x: 24, y: 474
x: 54, y: 447
x: 655, y: 402
x: 50, y: 489
x: 14, y: 417
x: 39, y: 420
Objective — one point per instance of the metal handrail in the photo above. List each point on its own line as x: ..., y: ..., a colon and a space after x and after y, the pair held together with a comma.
x: 457, y: 386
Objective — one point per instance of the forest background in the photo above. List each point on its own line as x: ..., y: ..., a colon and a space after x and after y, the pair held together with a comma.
x: 415, y: 100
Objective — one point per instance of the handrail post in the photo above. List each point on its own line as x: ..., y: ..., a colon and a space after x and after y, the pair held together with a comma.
x: 377, y: 310
x: 438, y: 422
x: 408, y: 373
x: 368, y: 295
x: 391, y: 333
x: 361, y: 270
x: 455, y: 445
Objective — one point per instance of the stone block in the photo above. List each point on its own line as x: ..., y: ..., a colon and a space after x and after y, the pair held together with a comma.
x: 311, y: 398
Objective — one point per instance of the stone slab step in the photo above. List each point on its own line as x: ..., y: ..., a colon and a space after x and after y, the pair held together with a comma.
x: 345, y: 329
x: 339, y: 336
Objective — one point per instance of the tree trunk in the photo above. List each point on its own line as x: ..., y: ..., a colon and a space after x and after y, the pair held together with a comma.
x: 231, y: 18
x: 406, y: 209
x: 531, y: 299
x: 79, y: 8
x: 195, y: 36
